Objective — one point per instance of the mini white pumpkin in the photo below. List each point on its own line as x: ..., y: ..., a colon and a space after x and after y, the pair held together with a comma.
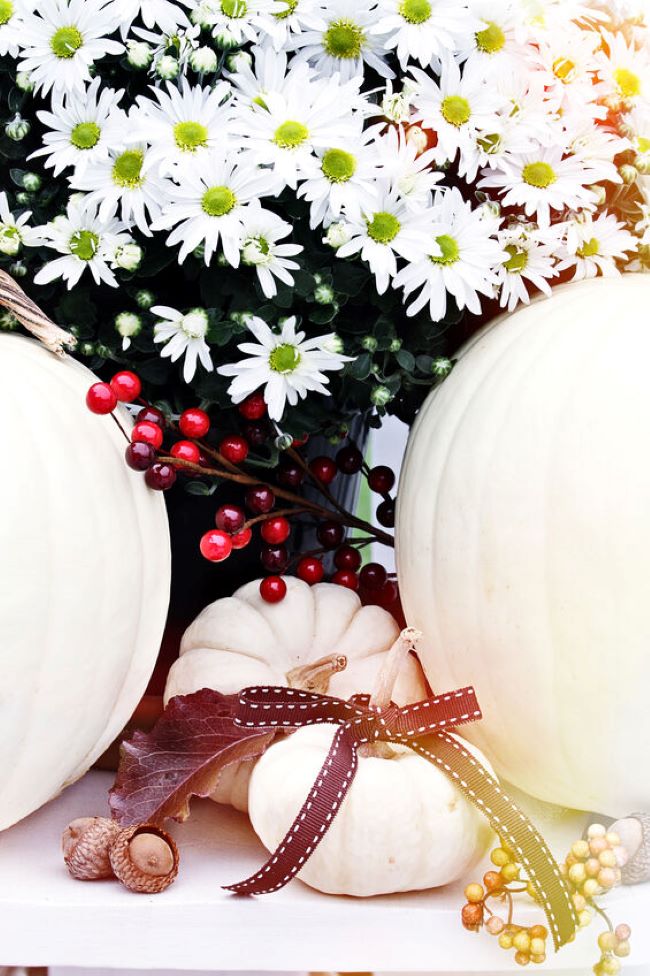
x: 523, y: 542
x: 241, y: 640
x: 85, y: 581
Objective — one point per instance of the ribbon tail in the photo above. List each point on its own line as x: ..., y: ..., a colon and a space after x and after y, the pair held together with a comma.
x: 511, y: 823
x: 313, y: 820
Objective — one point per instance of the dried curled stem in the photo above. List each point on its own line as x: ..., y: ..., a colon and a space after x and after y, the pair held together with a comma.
x: 32, y: 318
x: 384, y: 686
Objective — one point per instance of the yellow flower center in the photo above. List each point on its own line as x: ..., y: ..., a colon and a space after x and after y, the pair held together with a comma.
x: 338, y: 166
x: 127, y: 169
x: 284, y: 358
x: 343, y: 39
x: 643, y: 144
x: 540, y: 175
x: 589, y: 248
x: 6, y: 11
x: 449, y: 250
x: 564, y: 69
x: 190, y: 136
x: 290, y: 134
x: 218, y: 201
x: 66, y: 41
x: 628, y: 84
x: 290, y: 7
x: 234, y: 8
x: 384, y: 227
x: 455, y: 110
x: 85, y: 135
x: 491, y: 39
x: 84, y: 244
x: 517, y: 261
x: 415, y: 11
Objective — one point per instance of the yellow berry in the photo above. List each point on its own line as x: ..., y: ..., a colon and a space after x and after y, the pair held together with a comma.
x: 622, y: 949
x: 611, y: 966
x: 500, y: 857
x: 494, y: 925
x: 613, y: 839
x: 607, y: 859
x: 537, y: 947
x: 598, y: 969
x: 538, y: 957
x: 474, y: 893
x: 580, y: 849
x: 510, y: 872
x: 522, y: 958
x: 577, y: 874
x: 607, y: 941
x: 623, y: 932
x: 584, y: 918
x: 607, y: 878
x: 596, y: 830
x: 521, y: 941
x: 598, y: 845
x: 505, y: 941
x: 592, y: 867
x: 579, y: 902
x: 538, y: 932
x: 591, y: 888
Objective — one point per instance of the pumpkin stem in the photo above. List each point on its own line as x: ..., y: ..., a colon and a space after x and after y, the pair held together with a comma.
x: 385, y: 684
x: 30, y: 315
x: 316, y: 675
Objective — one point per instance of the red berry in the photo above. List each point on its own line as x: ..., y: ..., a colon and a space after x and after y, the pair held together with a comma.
x: 381, y: 479
x: 140, y: 456
x: 234, y: 448
x: 126, y: 386
x: 300, y: 441
x: 230, y: 518
x: 274, y: 559
x: 273, y: 589
x: 373, y: 576
x: 256, y: 434
x: 349, y: 459
x: 194, y: 422
x: 330, y: 534
x: 145, y: 431
x: 185, y: 451
x: 291, y: 475
x: 100, y: 398
x: 160, y: 476
x: 215, y: 545
x: 153, y: 415
x: 241, y: 539
x: 346, y: 578
x: 253, y: 407
x: 386, y: 513
x: 388, y: 595
x: 310, y: 570
x: 259, y: 499
x: 347, y: 557
x: 275, y: 530
x: 323, y: 468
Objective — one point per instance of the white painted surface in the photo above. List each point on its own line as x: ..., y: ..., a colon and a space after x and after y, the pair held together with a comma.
x: 46, y: 918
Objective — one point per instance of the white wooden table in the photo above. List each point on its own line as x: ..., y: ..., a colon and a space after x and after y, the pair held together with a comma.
x: 48, y: 919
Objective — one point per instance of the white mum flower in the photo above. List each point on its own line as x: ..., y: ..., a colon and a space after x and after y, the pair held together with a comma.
x: 624, y: 69
x: 184, y: 335
x: 62, y: 40
x: 461, y: 258
x: 14, y: 231
x: 496, y: 42
x: 184, y: 122
x: 286, y: 364
x: 241, y: 20
x: 423, y: 30
x: 567, y: 57
x: 11, y: 25
x: 267, y: 73
x: 638, y: 127
x: 208, y: 205
x: 82, y: 127
x: 412, y: 173
x: 342, y: 177
x: 166, y: 15
x: 85, y: 241
x: 296, y: 16
x: 530, y: 261
x: 122, y: 181
x: 345, y: 42
x: 262, y: 230
x: 594, y: 244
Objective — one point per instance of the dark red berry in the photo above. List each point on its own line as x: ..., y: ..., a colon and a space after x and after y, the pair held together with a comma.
x: 388, y: 595
x: 126, y: 386
x: 259, y: 499
x: 275, y: 530
x: 215, y: 545
x: 234, y: 448
x: 381, y: 479
x: 300, y: 441
x: 310, y: 570
x: 291, y: 475
x: 160, y: 476
x: 253, y: 407
x: 256, y: 434
x: 349, y: 459
x: 273, y: 589
x: 241, y: 539
x: 147, y: 432
x: 230, y: 518
x: 185, y: 451
x: 274, y: 559
x: 347, y: 557
x: 140, y: 456
x: 386, y: 513
x: 323, y: 468
x: 153, y: 415
x: 194, y: 422
x: 372, y: 576
x: 100, y: 398
x: 346, y: 578
x: 330, y: 534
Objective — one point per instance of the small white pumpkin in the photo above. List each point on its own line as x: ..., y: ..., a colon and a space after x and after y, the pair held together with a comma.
x: 85, y: 581
x: 241, y: 640
x: 403, y: 825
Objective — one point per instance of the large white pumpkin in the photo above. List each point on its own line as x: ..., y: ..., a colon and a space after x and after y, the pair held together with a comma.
x: 85, y: 578
x: 523, y: 533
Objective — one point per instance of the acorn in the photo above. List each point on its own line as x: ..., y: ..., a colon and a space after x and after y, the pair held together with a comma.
x: 86, y: 843
x: 144, y: 858
x: 634, y: 832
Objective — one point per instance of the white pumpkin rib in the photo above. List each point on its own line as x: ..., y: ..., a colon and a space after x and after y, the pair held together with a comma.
x: 292, y: 620
x: 207, y: 667
x: 334, y: 610
x: 230, y: 624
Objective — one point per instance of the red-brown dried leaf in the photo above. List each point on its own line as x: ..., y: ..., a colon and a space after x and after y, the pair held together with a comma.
x: 181, y: 757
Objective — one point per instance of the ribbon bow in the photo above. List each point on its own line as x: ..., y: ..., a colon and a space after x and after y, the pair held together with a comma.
x: 422, y: 727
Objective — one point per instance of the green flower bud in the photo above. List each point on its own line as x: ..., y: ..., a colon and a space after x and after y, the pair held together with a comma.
x: 395, y: 345
x: 10, y: 240
x: 380, y: 396
x: 139, y: 54
x: 334, y: 344
x: 642, y: 165
x: 22, y: 198
x: 283, y: 442
x: 87, y: 348
x: 18, y: 128
x: 32, y: 182
x: 337, y: 234
x: 128, y: 256
x: 18, y: 269
x: 226, y: 41
x: 145, y: 298
x: 24, y: 81
x: 628, y: 173
x: 441, y: 366
x: 369, y: 343
x: 238, y: 60
x: 199, y: 252
x: 128, y: 324
x: 8, y: 321
x: 203, y: 60
x: 324, y: 295
x: 167, y: 67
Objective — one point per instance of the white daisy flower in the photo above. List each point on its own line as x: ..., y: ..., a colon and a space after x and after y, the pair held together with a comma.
x: 184, y: 122
x: 593, y: 245
x: 262, y: 230
x: 594, y: 144
x: 387, y: 230
x: 86, y: 241
x: 82, y: 127
x: 530, y: 262
x: 567, y: 56
x: 11, y: 26
x: 122, y: 181
x: 341, y: 177
x: 461, y: 258
x: 624, y: 69
x: 288, y: 126
x: 345, y: 41
x: 208, y: 206
x: 241, y: 20
x: 14, y: 231
x: 542, y: 182
x: 637, y: 125
x: 296, y: 16
x: 411, y: 172
x: 423, y: 30
x: 286, y: 364
x: 62, y: 40
x: 184, y: 42
x: 166, y: 15
x: 184, y: 335
x: 267, y: 73
x: 496, y: 42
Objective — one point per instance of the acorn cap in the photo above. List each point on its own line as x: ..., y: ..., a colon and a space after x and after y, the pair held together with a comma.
x: 86, y: 844
x: 144, y: 858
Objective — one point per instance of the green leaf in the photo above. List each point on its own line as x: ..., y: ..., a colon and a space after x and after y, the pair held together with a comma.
x: 406, y: 359
x: 323, y: 314
x: 200, y: 488
x: 360, y: 368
